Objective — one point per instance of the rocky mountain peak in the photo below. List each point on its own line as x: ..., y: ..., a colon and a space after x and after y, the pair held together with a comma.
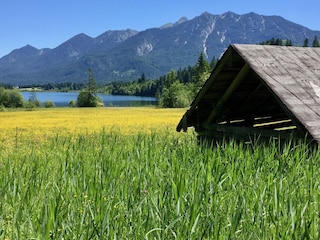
x: 181, y: 20
x: 121, y: 55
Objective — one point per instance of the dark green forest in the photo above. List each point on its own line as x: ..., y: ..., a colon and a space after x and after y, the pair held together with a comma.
x: 175, y: 89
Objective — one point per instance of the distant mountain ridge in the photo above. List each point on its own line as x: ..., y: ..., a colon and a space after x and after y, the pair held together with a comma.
x: 123, y: 55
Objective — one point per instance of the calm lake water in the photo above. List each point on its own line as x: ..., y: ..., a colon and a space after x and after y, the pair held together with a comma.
x: 62, y: 99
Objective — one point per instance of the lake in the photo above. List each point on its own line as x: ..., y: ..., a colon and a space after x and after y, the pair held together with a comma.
x: 62, y: 99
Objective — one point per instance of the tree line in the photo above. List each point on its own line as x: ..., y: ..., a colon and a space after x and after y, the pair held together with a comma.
x: 61, y: 87
x: 175, y: 89
x: 288, y: 42
x: 12, y: 98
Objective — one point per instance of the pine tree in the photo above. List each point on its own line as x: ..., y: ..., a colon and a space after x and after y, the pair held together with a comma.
x: 142, y: 79
x: 306, y: 42
x: 92, y: 85
x: 288, y: 42
x: 88, y: 97
x: 315, y: 42
x: 171, y: 78
x: 201, y: 71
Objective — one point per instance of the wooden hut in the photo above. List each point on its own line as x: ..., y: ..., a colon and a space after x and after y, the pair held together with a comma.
x: 261, y: 91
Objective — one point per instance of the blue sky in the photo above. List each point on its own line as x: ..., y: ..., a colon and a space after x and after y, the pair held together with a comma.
x: 48, y: 23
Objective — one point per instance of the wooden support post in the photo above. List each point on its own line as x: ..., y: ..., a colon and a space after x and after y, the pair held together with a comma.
x: 184, y: 123
x: 233, y: 86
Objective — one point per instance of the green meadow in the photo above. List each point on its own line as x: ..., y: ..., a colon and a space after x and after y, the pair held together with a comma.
x: 157, y: 185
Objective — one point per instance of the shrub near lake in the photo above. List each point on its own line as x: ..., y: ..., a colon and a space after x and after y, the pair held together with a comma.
x: 62, y: 180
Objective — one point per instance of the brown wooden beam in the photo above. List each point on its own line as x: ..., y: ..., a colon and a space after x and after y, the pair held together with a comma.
x: 232, y: 87
x: 286, y: 123
x: 240, y: 132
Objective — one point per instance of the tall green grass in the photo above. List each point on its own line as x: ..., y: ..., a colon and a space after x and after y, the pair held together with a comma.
x: 157, y: 186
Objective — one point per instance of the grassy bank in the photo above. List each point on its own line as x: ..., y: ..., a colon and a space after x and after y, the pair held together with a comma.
x: 105, y: 184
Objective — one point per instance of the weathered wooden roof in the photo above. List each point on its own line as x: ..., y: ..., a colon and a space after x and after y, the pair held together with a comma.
x: 252, y: 83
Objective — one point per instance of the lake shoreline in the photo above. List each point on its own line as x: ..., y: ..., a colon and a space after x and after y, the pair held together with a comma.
x: 62, y: 99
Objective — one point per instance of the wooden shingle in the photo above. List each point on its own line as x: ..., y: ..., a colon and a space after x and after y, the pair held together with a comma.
x: 260, y: 89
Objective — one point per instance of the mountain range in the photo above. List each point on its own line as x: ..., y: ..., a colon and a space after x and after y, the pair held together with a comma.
x: 124, y: 55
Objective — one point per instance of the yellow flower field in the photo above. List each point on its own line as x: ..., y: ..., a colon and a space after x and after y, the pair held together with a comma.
x: 43, y: 123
